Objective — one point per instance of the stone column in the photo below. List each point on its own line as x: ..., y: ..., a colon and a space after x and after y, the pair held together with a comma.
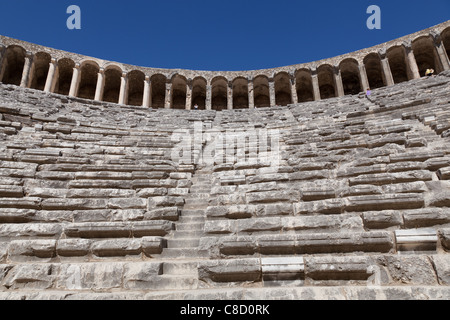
x: 123, y: 95
x: 100, y: 85
x: 75, y: 81
x: 2, y: 60
x: 189, y: 94
x: 363, y: 76
x: 411, y: 61
x: 26, y: 70
x: 230, y: 96
x: 440, y: 49
x: 51, y: 76
x: 387, y: 73
x: 168, y: 102
x: 272, y: 94
x: 293, y: 88
x: 208, y: 97
x: 147, y: 99
x: 338, y: 82
x: 315, y: 84
x: 251, y: 93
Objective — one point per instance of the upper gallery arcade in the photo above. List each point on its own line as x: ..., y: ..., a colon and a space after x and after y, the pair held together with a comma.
x: 32, y: 66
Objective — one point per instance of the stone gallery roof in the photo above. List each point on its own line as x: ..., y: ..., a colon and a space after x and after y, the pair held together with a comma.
x: 346, y: 197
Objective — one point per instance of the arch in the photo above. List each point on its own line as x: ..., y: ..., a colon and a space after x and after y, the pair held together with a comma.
x: 240, y: 93
x: 179, y: 83
x: 65, y: 74
x: 88, y: 80
x: 199, y: 92
x: 13, y: 64
x: 261, y: 91
x: 397, y: 62
x: 426, y: 55
x: 351, y: 79
x: 327, y: 83
x: 374, y: 70
x: 158, y: 90
x: 40, y: 70
x: 305, y: 91
x: 136, y: 86
x: 445, y: 35
x: 219, y: 93
x: 283, y: 95
x: 113, y: 79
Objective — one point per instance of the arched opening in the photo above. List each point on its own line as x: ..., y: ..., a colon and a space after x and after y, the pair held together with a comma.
x: 13, y: 65
x: 240, y: 93
x: 350, y: 75
x: 397, y: 62
x: 219, y: 94
x: 283, y: 95
x: 136, y: 86
x: 305, y: 91
x: 158, y: 90
x: 65, y: 74
x: 374, y: 71
x: 199, y: 93
x: 40, y: 71
x: 426, y: 55
x: 113, y: 79
x: 445, y: 35
x: 327, y: 84
x: 88, y: 80
x: 179, y: 92
x: 261, y: 92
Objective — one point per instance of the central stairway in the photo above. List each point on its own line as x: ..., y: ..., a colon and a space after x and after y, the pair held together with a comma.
x: 182, y: 247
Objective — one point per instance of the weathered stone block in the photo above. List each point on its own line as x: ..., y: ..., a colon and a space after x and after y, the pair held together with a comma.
x: 441, y: 264
x: 170, y: 213
x: 73, y: 247
x: 74, y: 204
x: 444, y: 173
x: 142, y: 276
x: 426, y: 217
x: 30, y: 277
x: 131, y: 203
x: 90, y: 276
x: 329, y: 206
x: 444, y: 238
x: 238, y: 270
x: 385, y: 202
x: 48, y: 230
x: 382, y: 219
x: 26, y: 250
x: 116, y: 247
x: 153, y: 245
x: 338, y: 268
x: 272, y: 196
x: 168, y: 201
x: 16, y: 215
x: 412, y: 270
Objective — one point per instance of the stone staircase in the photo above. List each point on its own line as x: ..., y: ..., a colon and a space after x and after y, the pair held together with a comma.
x: 181, y: 257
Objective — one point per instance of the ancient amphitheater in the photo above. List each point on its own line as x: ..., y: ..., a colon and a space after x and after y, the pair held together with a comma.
x: 288, y: 183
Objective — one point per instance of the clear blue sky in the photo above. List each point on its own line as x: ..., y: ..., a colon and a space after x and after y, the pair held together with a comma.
x: 216, y: 35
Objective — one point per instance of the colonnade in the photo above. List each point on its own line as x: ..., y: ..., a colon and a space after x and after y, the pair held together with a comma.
x: 213, y: 91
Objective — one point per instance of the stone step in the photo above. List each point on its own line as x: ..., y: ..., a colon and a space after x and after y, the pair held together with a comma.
x: 188, y: 234
x: 196, y: 203
x: 177, y: 282
x: 192, y: 219
x: 192, y: 213
x: 180, y: 253
x: 190, y: 226
x: 183, y: 243
x: 181, y: 268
